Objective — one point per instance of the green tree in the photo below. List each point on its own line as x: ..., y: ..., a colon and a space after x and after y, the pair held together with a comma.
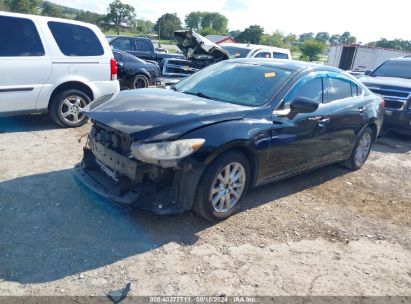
x: 207, y: 22
x: 346, y: 38
x: 23, y: 6
x: 51, y: 10
x: 3, y: 6
x: 166, y: 25
x: 311, y: 49
x: 322, y: 36
x: 234, y: 33
x: 275, y: 39
x: 119, y: 14
x: 143, y: 26
x: 334, y: 39
x: 87, y: 16
x: 306, y: 36
x: 215, y: 21
x: 193, y: 20
x: 397, y: 44
x: 251, y: 34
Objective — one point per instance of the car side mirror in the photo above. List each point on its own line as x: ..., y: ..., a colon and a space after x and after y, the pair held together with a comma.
x: 303, y: 105
x: 120, y: 64
x: 367, y: 72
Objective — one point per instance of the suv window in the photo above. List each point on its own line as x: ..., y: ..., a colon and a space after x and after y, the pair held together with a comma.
x: 75, y: 40
x: 122, y: 44
x: 143, y: 45
x: 263, y: 55
x: 280, y: 55
x: 312, y: 89
x: 338, y: 89
x: 19, y: 37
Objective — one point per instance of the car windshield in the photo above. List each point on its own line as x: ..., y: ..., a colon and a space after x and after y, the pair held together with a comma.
x: 233, y: 82
x: 394, y: 68
x: 236, y: 52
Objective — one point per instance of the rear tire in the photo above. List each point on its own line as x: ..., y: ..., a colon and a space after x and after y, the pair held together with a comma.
x: 361, y: 150
x: 139, y: 82
x: 65, y: 108
x: 222, y: 186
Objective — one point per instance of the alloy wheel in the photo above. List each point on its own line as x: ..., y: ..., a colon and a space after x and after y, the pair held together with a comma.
x: 228, y: 186
x: 71, y: 109
x: 363, y: 148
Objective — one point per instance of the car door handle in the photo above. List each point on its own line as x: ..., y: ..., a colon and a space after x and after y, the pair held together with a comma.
x: 324, y: 120
x: 320, y: 119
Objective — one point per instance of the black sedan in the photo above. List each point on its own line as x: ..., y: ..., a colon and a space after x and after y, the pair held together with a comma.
x: 134, y: 73
x: 230, y: 127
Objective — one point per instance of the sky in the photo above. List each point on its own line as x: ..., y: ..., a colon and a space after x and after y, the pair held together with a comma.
x: 366, y: 19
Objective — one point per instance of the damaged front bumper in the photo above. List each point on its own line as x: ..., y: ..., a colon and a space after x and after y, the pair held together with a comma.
x: 144, y: 186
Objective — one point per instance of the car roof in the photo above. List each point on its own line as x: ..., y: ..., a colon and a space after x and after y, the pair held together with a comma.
x: 407, y: 58
x: 286, y: 64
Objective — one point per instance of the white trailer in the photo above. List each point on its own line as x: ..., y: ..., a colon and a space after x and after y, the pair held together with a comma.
x: 359, y: 58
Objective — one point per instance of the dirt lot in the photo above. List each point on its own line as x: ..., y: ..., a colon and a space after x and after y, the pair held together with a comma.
x: 329, y: 232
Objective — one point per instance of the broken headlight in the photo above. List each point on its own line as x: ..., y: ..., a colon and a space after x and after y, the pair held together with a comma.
x: 166, y: 154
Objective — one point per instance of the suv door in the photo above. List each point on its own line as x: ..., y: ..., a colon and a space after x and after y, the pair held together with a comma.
x: 25, y: 64
x: 298, y: 142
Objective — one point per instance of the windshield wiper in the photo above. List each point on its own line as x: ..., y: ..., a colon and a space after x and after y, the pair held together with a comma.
x: 199, y: 94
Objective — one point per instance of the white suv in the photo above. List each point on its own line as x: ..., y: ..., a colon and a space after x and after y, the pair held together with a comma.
x: 53, y: 65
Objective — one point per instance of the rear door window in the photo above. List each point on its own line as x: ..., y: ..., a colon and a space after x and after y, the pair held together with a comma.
x: 338, y: 89
x: 19, y: 37
x: 122, y: 44
x: 75, y: 40
x: 143, y: 45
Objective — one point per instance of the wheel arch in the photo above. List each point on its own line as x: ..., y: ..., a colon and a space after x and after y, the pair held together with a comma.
x: 72, y: 85
x: 242, y: 148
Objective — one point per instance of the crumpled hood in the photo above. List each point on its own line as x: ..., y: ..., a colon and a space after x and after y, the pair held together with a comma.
x: 158, y: 114
x: 385, y: 82
x: 195, y: 46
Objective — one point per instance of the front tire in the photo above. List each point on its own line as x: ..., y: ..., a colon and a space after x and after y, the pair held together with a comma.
x: 222, y: 186
x: 66, y: 108
x: 361, y: 150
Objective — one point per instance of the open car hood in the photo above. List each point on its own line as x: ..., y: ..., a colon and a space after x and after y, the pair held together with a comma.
x: 195, y: 46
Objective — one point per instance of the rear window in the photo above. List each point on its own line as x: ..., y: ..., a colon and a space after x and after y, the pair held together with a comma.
x: 75, y: 40
x: 338, y: 89
x: 280, y: 55
x: 19, y: 37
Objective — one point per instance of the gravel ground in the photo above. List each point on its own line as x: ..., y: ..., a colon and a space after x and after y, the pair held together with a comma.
x: 329, y: 232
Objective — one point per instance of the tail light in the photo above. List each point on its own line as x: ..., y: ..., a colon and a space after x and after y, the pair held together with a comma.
x: 113, y: 68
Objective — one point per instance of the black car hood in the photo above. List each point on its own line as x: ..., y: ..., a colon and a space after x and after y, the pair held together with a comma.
x: 386, y: 82
x: 195, y: 46
x: 158, y: 114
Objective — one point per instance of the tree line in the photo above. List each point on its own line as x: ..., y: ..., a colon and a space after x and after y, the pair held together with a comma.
x: 121, y: 17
